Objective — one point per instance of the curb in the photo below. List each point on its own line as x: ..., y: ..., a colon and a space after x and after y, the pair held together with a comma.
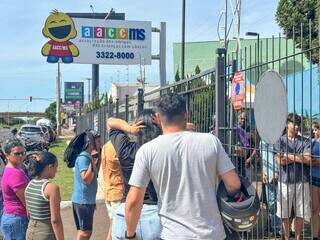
x: 68, y: 204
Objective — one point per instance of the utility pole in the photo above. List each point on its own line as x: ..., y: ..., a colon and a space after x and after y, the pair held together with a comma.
x: 183, y: 38
x: 238, y: 12
x: 89, y: 98
x: 58, y: 101
x: 226, y: 25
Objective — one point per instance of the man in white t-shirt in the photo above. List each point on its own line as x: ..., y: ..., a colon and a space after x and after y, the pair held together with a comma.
x: 184, y: 167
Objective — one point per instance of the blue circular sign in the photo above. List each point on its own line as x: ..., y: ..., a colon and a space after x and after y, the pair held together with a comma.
x: 237, y: 88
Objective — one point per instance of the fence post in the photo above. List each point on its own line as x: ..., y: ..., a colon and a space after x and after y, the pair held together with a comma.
x: 220, y: 94
x: 231, y: 140
x: 110, y: 108
x: 117, y: 107
x: 127, y: 108
x: 140, y: 101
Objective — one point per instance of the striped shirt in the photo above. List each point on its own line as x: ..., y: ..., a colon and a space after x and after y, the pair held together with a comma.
x: 38, y: 206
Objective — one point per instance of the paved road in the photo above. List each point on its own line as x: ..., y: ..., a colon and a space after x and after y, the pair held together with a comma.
x: 4, y: 134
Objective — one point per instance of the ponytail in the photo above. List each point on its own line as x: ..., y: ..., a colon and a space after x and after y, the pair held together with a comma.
x: 39, y: 161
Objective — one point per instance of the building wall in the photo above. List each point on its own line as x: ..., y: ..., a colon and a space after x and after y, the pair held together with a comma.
x: 203, y: 54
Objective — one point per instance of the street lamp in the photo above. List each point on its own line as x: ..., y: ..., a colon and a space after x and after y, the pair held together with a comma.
x: 255, y: 34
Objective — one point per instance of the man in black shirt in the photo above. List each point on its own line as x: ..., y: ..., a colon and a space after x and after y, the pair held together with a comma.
x: 145, y: 129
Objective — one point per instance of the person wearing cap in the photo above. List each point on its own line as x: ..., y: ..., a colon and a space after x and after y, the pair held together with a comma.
x: 293, y: 155
x: 85, y: 185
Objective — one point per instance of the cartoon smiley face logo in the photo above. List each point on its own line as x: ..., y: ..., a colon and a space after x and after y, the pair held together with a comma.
x: 60, y: 28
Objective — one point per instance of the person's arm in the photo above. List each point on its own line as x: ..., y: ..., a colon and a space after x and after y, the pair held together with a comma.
x: 283, y: 159
x: 87, y: 175
x: 139, y: 181
x: 18, y: 184
x: 304, y: 158
x: 20, y: 194
x: 134, y: 203
x: 225, y: 169
x: 52, y: 192
x: 231, y: 181
x: 86, y: 169
x: 117, y: 123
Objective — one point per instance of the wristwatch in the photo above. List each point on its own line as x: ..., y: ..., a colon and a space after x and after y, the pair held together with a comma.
x: 129, y: 237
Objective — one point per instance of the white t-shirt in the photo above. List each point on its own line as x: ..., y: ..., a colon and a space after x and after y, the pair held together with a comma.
x: 184, y: 167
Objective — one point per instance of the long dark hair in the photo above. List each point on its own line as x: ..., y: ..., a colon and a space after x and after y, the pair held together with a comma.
x: 151, y: 130
x: 38, y: 162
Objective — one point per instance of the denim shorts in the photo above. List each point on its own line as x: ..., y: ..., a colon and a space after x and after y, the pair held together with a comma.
x: 83, y: 216
x: 14, y: 226
x: 148, y: 227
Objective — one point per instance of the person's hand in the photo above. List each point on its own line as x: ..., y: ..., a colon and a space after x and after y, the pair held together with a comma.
x: 95, y: 157
x: 156, y: 121
x: 248, y: 162
x: 136, y: 127
x: 265, y: 179
x: 190, y: 127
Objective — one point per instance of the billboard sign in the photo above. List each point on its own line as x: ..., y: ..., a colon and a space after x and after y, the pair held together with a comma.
x: 73, y: 94
x: 96, y: 41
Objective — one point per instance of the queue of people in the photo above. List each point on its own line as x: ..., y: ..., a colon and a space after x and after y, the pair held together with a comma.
x: 161, y: 184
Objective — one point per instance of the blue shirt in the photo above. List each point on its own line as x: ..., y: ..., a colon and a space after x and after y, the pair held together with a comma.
x: 293, y: 172
x: 84, y: 193
x: 315, y: 152
x: 270, y: 166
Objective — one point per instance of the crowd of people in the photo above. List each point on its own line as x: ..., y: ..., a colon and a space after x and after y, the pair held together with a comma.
x: 291, y: 174
x: 160, y: 179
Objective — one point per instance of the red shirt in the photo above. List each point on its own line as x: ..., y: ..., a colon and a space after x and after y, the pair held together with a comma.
x: 60, y: 49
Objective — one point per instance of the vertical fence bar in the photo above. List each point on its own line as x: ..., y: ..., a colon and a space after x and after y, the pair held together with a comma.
x: 117, y: 107
x: 220, y: 93
x: 140, y: 101
x: 127, y: 108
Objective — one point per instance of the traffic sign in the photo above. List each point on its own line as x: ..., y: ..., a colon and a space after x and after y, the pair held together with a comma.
x: 238, y: 90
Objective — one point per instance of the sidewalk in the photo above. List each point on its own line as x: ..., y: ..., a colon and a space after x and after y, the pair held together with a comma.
x: 100, y: 225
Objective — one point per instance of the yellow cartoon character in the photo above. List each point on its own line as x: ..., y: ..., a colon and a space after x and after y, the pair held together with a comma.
x: 59, y: 27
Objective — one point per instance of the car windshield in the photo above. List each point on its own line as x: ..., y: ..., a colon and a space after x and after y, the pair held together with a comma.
x: 31, y: 129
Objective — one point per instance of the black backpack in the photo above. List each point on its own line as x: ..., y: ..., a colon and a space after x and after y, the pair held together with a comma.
x: 74, y: 148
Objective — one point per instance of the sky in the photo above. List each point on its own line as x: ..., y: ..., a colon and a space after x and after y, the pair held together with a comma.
x: 24, y: 71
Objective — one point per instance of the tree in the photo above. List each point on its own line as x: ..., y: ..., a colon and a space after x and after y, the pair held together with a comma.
x: 177, y: 76
x: 50, y: 112
x: 291, y: 14
x: 197, y: 70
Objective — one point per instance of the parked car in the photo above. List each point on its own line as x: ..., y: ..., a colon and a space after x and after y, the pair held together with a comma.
x: 46, y: 133
x: 52, y: 134
x: 33, y: 137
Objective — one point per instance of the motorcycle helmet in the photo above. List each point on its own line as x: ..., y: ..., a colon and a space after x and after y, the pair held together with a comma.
x: 239, y: 214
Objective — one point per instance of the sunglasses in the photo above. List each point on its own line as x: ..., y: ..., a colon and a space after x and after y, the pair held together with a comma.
x: 19, y: 154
